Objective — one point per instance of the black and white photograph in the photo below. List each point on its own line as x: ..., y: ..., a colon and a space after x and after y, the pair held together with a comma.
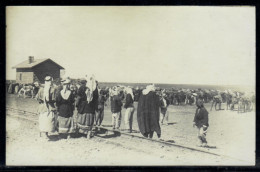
x: 130, y: 86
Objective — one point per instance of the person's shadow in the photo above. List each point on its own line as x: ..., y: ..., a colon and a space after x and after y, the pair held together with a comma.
x: 106, y: 134
x: 53, y: 138
x: 172, y: 123
x: 170, y: 141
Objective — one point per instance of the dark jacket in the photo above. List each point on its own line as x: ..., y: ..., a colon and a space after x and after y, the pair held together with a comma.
x: 101, y: 102
x: 65, y: 106
x: 116, y: 104
x: 148, y: 114
x: 81, y: 103
x: 129, y: 101
x: 201, y: 117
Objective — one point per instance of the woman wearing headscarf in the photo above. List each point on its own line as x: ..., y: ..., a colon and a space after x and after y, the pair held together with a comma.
x: 47, y: 109
x: 148, y: 114
x: 201, y: 122
x: 87, y: 101
x: 65, y: 104
x: 129, y: 105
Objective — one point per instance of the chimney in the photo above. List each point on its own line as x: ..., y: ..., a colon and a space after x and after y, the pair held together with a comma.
x: 31, y: 59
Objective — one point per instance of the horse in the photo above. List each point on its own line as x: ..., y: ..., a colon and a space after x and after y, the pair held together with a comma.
x: 26, y: 89
x: 228, y: 100
x: 244, y: 104
x: 216, y: 100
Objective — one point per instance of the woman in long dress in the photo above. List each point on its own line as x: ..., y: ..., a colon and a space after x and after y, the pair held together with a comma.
x: 65, y: 104
x: 87, y: 104
x: 47, y: 109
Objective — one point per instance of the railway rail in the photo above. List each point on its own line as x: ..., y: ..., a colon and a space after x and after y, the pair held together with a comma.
x: 24, y: 115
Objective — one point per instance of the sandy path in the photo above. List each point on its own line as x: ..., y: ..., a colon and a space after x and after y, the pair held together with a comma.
x: 232, y: 133
x: 25, y: 148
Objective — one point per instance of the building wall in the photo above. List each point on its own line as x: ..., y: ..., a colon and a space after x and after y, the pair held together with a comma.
x: 40, y: 71
x: 24, y: 77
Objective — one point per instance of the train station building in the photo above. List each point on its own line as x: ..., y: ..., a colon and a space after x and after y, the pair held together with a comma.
x: 33, y: 70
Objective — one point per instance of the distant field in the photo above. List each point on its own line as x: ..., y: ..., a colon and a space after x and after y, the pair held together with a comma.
x: 185, y: 86
x: 176, y: 86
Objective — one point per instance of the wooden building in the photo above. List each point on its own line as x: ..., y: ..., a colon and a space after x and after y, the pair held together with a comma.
x: 33, y: 70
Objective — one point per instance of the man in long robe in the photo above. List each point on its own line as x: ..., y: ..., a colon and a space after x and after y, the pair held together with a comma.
x: 148, y: 114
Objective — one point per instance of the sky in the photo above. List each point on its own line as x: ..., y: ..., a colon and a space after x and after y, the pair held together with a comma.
x: 152, y: 44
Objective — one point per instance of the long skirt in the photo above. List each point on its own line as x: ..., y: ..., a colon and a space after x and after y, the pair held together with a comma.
x: 85, y: 122
x: 47, y: 121
x: 66, y: 125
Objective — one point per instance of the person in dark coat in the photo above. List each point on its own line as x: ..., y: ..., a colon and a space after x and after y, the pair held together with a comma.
x: 148, y: 113
x: 129, y: 106
x: 121, y: 95
x: 86, y: 103
x: 116, y: 106
x: 100, y: 110
x: 65, y: 105
x: 201, y: 122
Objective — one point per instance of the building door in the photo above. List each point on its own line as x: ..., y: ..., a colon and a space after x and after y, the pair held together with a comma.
x: 20, y: 78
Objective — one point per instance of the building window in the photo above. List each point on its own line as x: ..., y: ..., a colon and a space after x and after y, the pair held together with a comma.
x: 20, y: 76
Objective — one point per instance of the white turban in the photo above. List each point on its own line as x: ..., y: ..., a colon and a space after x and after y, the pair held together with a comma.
x: 148, y: 89
x: 129, y: 91
x: 91, y: 85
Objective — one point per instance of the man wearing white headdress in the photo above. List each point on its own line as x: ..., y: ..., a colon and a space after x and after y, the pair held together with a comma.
x: 148, y: 113
x: 129, y: 105
x: 47, y: 109
x: 87, y: 104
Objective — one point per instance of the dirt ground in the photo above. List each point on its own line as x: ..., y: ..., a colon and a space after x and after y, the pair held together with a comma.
x: 233, y: 134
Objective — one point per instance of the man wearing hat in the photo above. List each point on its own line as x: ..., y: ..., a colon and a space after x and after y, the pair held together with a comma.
x: 201, y: 122
x: 47, y: 109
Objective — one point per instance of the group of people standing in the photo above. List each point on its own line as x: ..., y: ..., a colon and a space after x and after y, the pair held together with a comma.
x: 57, y: 108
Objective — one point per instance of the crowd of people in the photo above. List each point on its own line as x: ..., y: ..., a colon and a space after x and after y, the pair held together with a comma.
x: 60, y: 100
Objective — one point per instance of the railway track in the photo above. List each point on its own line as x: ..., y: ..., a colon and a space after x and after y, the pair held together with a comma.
x: 32, y: 116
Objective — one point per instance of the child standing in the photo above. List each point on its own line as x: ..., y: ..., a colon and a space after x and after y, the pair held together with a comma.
x: 201, y: 122
x: 164, y: 103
